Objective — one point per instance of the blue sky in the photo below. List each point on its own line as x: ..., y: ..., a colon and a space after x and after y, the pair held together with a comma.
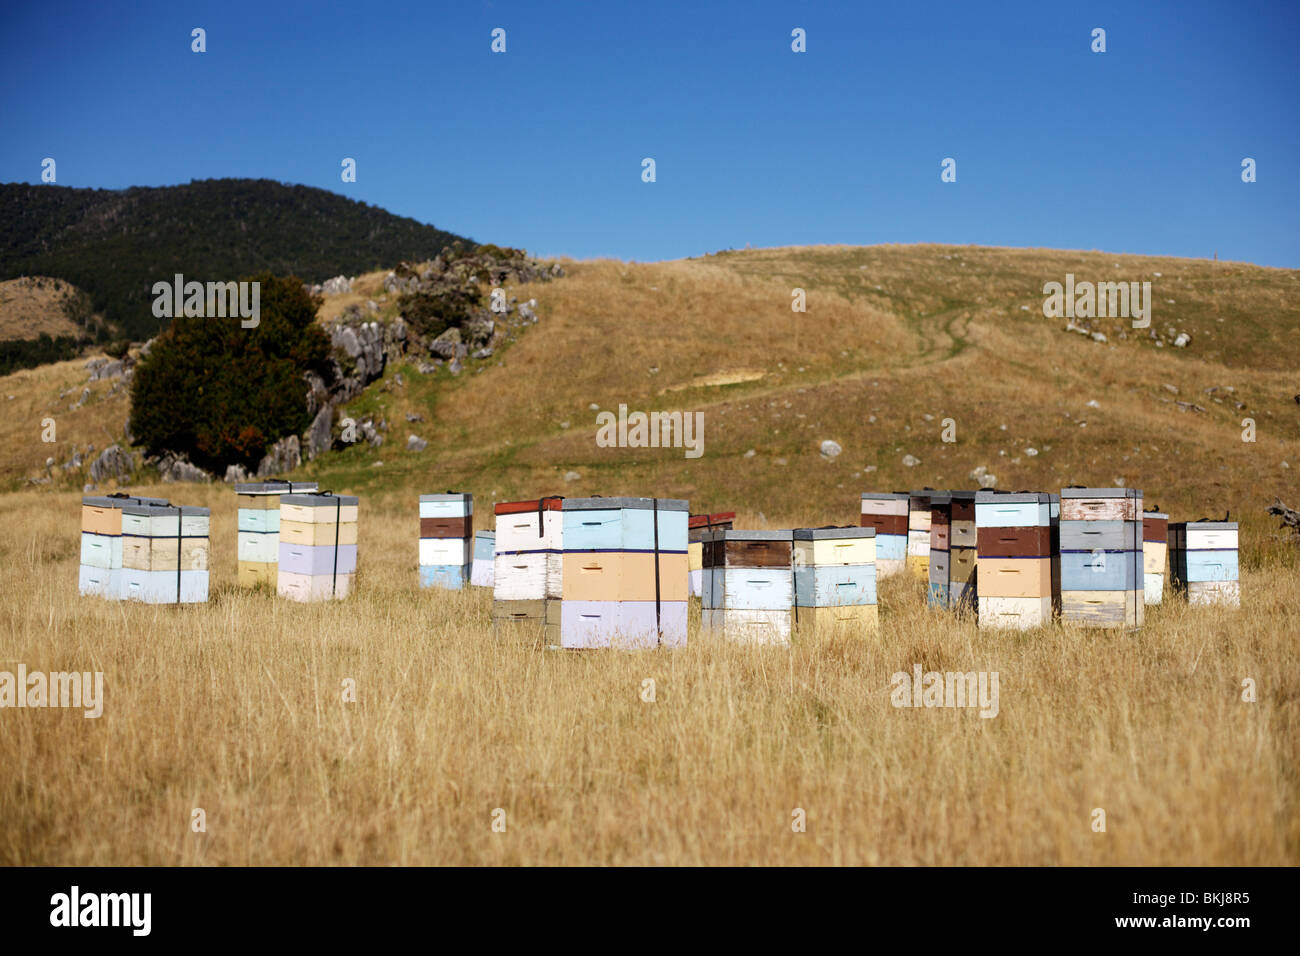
x: 1138, y: 149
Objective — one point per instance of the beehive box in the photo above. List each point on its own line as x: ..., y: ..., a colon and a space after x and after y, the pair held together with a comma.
x: 528, y: 560
x: 835, y: 578
x: 258, y: 528
x: 1014, y: 565
x: 446, y: 540
x: 1101, y: 557
x: 100, y: 571
x: 887, y: 513
x: 1155, y: 547
x: 748, y: 585
x: 624, y: 572
x: 698, y: 525
x: 165, y: 554
x: 317, y: 558
x: 963, y: 551
x: 918, y: 533
x: 1203, y: 561
x: 482, y: 571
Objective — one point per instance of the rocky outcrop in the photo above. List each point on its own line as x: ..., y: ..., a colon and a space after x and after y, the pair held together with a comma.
x: 284, y: 456
x: 113, y: 462
x: 177, y: 468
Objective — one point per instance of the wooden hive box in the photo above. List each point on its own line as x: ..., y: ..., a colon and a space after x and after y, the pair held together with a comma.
x: 698, y: 526
x: 1102, y: 577
x: 1015, y: 559
x: 834, y: 568
x: 257, y: 528
x: 446, y: 544
x: 749, y: 585
x: 165, y: 554
x: 317, y: 558
x: 1204, y: 561
x: 100, y: 571
x: 528, y: 561
x: 918, y: 533
x: 533, y: 623
x: 625, y: 575
x: 481, y: 572
x: 939, y: 572
x: 887, y: 513
x: 1155, y: 553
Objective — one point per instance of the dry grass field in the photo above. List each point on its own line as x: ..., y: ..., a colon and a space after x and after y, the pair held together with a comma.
x: 31, y: 306
x: 235, y: 707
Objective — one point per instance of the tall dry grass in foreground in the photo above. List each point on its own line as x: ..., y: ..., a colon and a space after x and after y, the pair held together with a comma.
x: 235, y: 707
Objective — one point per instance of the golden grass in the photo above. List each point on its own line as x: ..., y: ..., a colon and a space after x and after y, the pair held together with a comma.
x: 26, y: 310
x: 235, y: 707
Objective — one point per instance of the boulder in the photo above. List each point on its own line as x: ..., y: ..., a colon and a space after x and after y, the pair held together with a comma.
x: 284, y: 456
x: 113, y: 462
x: 320, y: 434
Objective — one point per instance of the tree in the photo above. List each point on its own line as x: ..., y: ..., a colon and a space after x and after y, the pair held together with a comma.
x: 221, y: 394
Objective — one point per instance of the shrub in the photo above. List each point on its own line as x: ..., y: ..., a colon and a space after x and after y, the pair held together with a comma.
x: 221, y: 394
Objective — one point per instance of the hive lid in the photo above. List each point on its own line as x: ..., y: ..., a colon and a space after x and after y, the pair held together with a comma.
x: 320, y: 501
x: 449, y: 496
x: 1101, y: 492
x: 603, y: 504
x: 1204, y: 524
x: 488, y: 535
x: 702, y: 521
x: 1158, y: 515
x: 119, y: 501
x: 898, y: 495
x: 964, y: 497
x: 734, y: 534
x: 548, y: 503
x: 166, y: 510
x: 941, y: 497
x: 1012, y: 497
x: 275, y: 487
x: 820, y: 534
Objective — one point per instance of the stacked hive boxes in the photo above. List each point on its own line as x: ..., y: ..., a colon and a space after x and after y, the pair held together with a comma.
x: 1101, y: 557
x: 918, y: 533
x: 1155, y: 540
x: 886, y: 512
x: 940, y: 534
x: 835, y: 578
x: 318, y: 546
x: 749, y: 585
x: 528, y: 569
x: 625, y: 575
x: 1203, y: 561
x: 963, y: 544
x: 481, y: 573
x: 258, y: 529
x: 101, y: 543
x: 165, y: 554
x: 699, y: 525
x: 446, y: 540
x: 1014, y: 569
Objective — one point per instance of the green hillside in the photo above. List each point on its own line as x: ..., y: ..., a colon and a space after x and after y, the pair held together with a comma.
x: 115, y: 244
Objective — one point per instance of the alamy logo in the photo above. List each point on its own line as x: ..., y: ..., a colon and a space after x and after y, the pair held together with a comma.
x: 652, y: 430
x: 1102, y: 300
x: 951, y: 689
x: 55, y: 689
x: 74, y: 908
x: 217, y: 300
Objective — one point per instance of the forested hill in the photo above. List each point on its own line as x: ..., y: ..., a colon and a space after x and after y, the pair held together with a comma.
x: 115, y: 244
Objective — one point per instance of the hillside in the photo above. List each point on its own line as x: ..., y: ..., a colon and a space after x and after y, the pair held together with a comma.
x: 895, y: 340
x: 453, y: 721
x: 115, y: 244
